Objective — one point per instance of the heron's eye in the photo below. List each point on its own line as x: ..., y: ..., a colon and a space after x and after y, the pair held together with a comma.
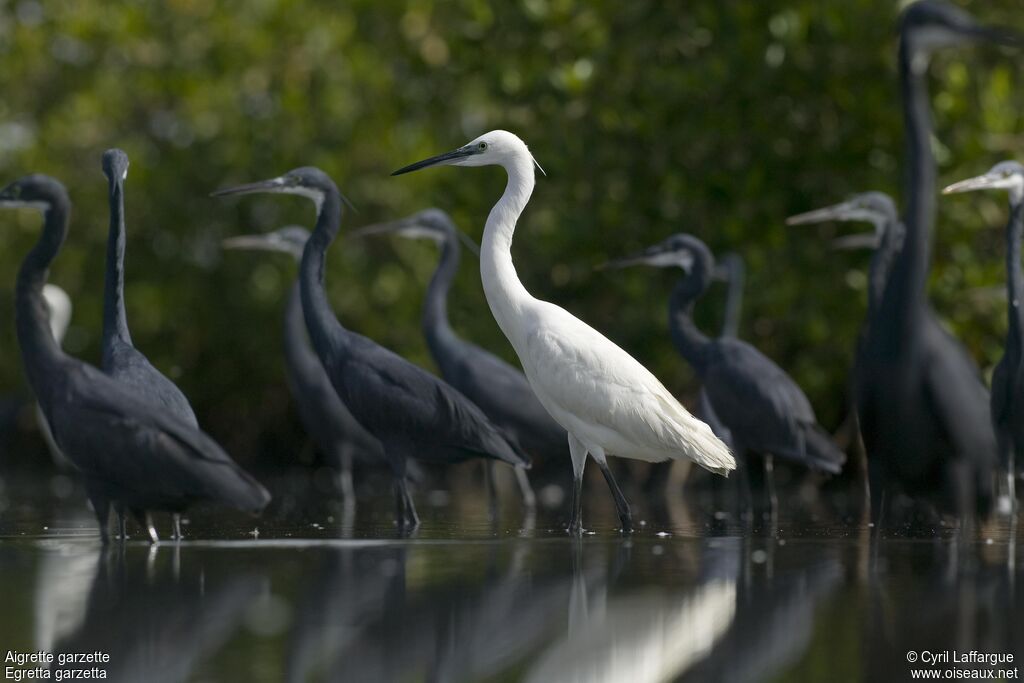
x: 482, y: 146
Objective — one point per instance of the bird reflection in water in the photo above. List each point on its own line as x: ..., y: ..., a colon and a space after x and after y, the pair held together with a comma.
x: 156, y: 616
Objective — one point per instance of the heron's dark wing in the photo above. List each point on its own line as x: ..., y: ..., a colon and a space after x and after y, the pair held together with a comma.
x: 504, y: 395
x: 140, y: 453
x: 389, y: 395
x: 966, y: 413
x: 758, y: 402
x: 130, y: 366
x: 326, y: 418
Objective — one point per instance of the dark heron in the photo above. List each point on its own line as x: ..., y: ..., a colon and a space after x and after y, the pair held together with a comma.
x: 129, y: 452
x: 606, y: 401
x: 924, y: 417
x: 338, y: 435
x: 761, y: 406
x: 1008, y: 378
x: 412, y: 413
x: 121, y: 360
x: 500, y: 390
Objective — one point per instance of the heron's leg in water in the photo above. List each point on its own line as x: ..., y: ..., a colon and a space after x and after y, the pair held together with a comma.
x: 412, y: 519
x: 525, y: 489
x: 348, y: 491
x: 578, y: 452
x: 492, y: 492
x: 176, y: 529
x: 621, y: 505
x: 101, y: 507
x: 769, y: 485
x: 122, y: 521
x: 151, y: 530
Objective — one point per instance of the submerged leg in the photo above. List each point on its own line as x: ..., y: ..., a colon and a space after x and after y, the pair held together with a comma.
x: 411, y: 518
x: 151, y: 530
x: 578, y: 452
x: 101, y: 507
x: 621, y: 505
x: 122, y: 522
x: 769, y: 485
x: 525, y: 489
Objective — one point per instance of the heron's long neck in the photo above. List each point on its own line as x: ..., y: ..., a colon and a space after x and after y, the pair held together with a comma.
x: 904, y: 298
x: 505, y: 293
x: 115, y: 322
x: 321, y: 323
x: 435, y: 309
x: 691, y: 343
x: 1015, y: 276
x: 734, y: 299
x: 39, y: 350
x: 893, y: 234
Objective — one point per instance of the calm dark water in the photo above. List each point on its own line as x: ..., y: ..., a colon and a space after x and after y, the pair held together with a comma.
x: 312, y: 593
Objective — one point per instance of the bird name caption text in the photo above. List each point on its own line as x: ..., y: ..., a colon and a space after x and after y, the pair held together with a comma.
x: 36, y: 666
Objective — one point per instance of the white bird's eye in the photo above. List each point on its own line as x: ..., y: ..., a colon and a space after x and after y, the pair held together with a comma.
x: 482, y: 146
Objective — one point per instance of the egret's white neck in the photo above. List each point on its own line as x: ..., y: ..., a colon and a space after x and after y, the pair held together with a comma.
x: 505, y: 293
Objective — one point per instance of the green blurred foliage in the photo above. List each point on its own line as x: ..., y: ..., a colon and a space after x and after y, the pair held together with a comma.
x: 716, y: 118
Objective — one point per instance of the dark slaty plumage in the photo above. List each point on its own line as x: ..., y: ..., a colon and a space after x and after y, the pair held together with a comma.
x: 121, y: 360
x: 923, y: 412
x: 337, y: 434
x: 412, y: 413
x: 130, y: 453
x: 497, y: 387
x: 761, y: 406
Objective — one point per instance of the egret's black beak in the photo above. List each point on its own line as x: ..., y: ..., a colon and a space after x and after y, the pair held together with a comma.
x: 439, y: 160
x: 272, y: 185
x: 10, y: 193
x: 995, y: 34
x: 829, y: 213
x: 864, y: 240
x: 468, y: 242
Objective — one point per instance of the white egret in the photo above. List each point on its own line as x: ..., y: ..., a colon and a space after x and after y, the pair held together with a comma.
x: 608, y: 402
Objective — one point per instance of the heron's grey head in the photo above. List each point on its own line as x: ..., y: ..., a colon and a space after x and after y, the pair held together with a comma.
x: 307, y: 181
x: 876, y: 208
x: 36, y: 191
x: 58, y: 306
x: 430, y: 224
x: 930, y: 25
x: 115, y: 165
x: 678, y: 251
x: 1006, y: 175
x: 496, y: 148
x: 290, y: 239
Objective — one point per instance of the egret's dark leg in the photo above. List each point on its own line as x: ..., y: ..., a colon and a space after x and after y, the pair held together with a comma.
x: 525, y: 489
x: 400, y: 502
x: 176, y: 528
x: 860, y: 453
x: 621, y: 505
x: 578, y: 452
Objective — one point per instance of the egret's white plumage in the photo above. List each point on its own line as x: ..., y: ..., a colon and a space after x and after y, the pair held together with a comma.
x: 607, y: 401
x: 58, y: 305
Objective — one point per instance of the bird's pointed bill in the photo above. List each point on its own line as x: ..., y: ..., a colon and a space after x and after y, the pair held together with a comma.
x: 981, y: 182
x: 828, y: 213
x: 386, y: 228
x: 272, y: 185
x: 651, y: 256
x: 440, y: 160
x: 468, y: 242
